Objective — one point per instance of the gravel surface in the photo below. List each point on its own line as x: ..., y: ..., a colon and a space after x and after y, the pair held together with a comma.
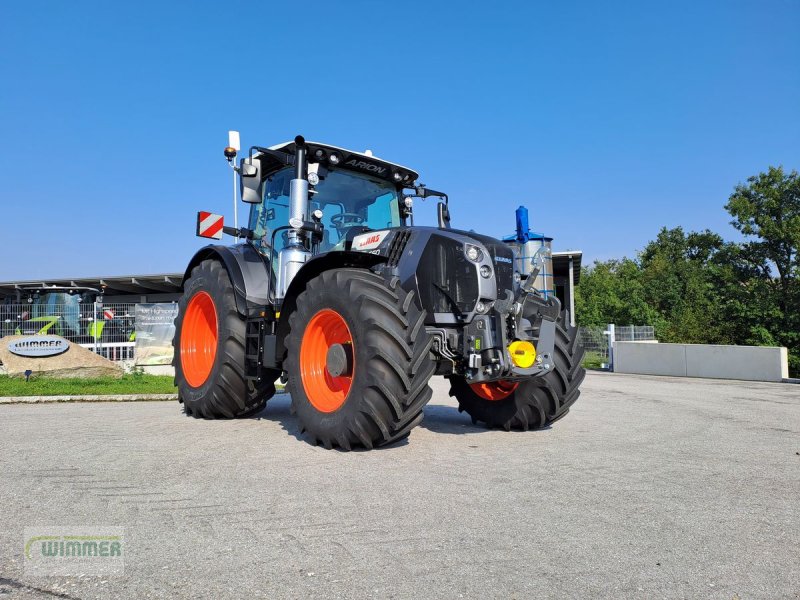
x: 650, y: 487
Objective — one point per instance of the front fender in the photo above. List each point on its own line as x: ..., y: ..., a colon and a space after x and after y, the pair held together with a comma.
x: 312, y: 268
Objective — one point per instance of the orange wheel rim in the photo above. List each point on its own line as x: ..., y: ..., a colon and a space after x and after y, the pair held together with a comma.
x: 325, y: 392
x: 199, y: 339
x: 494, y: 390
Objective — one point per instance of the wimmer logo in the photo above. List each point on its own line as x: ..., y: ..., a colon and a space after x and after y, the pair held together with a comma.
x: 74, y: 550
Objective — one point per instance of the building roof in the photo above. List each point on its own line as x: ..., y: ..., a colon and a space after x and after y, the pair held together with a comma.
x: 561, y: 263
x: 163, y: 283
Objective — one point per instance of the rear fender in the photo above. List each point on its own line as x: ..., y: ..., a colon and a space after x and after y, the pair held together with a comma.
x: 248, y: 272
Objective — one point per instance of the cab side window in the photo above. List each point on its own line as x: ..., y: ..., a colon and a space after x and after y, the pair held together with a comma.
x: 273, y: 212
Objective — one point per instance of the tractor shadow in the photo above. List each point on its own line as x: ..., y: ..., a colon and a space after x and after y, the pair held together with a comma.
x: 278, y: 409
x: 439, y: 418
x: 446, y: 419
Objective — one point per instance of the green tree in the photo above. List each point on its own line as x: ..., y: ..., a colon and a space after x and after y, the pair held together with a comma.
x: 679, y: 281
x: 612, y: 292
x: 767, y: 211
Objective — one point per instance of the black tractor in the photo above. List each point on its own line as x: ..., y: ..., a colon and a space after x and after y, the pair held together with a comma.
x: 335, y: 291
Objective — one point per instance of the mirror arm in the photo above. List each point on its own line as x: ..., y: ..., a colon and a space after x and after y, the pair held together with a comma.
x: 242, y: 232
x: 421, y: 191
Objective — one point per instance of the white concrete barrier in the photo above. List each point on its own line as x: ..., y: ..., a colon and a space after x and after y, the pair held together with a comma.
x: 752, y: 363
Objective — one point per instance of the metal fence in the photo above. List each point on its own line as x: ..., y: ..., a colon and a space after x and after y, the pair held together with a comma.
x: 598, y: 341
x: 634, y: 333
x: 594, y: 340
x: 107, y: 329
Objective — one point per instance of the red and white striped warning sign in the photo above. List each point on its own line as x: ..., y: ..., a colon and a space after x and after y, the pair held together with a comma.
x: 108, y: 314
x: 209, y: 225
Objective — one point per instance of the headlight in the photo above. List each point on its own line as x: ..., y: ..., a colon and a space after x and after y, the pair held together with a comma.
x: 486, y: 271
x: 480, y: 307
x: 473, y: 253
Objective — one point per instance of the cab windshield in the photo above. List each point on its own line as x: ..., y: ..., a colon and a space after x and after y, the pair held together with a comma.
x: 349, y: 203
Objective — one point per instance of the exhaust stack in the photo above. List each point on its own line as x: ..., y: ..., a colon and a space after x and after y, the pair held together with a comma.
x: 298, y: 188
x: 295, y: 255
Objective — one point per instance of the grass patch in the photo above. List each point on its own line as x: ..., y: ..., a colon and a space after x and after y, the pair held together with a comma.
x: 593, y: 360
x: 134, y: 383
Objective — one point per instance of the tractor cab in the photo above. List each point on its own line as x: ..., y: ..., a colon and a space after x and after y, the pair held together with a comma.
x: 347, y: 203
x: 349, y: 193
x: 59, y: 310
x: 309, y: 199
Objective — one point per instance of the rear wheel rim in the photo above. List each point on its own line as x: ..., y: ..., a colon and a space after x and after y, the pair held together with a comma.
x: 494, y: 390
x: 325, y: 392
x: 199, y: 336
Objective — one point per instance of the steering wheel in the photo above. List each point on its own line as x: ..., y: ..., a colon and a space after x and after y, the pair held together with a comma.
x: 344, y: 220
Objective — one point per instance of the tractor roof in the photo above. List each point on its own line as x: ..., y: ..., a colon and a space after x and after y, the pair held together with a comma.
x: 350, y: 159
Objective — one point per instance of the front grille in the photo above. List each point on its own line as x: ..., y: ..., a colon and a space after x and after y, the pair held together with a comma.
x: 397, y: 246
x: 446, y: 278
x: 504, y: 270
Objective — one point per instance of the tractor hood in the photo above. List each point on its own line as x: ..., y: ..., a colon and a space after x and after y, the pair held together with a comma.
x: 434, y: 263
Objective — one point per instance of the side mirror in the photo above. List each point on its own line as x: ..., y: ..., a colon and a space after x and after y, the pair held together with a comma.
x: 250, y: 180
x: 444, y: 215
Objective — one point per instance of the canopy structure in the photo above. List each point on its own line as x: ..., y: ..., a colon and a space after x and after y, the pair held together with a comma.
x: 162, y: 287
x: 561, y: 262
x: 566, y: 275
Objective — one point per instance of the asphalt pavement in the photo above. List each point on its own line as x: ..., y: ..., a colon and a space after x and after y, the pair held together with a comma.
x: 650, y: 487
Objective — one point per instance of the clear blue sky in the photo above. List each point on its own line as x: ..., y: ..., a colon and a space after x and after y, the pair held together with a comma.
x: 608, y: 120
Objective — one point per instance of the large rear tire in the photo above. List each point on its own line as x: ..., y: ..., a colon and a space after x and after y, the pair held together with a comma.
x: 358, y: 360
x: 210, y: 350
x: 535, y: 402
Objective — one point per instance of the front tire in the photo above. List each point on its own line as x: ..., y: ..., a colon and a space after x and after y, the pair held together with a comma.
x: 210, y: 350
x: 532, y: 403
x: 358, y: 360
